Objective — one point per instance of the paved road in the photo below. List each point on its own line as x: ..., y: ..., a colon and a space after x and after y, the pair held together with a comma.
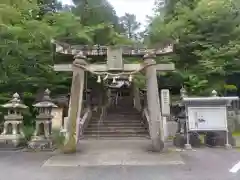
x: 202, y: 164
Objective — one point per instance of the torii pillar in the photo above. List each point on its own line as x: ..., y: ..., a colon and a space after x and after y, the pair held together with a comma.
x: 75, y: 105
x: 154, y: 110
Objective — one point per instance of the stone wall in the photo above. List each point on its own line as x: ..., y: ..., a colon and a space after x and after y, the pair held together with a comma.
x: 172, y: 128
x: 57, y: 114
x: 234, y: 120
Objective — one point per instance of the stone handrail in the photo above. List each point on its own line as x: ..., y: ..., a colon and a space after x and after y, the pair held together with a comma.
x: 103, y: 113
x: 83, y: 122
x: 142, y: 107
x: 145, y: 117
x: 145, y: 114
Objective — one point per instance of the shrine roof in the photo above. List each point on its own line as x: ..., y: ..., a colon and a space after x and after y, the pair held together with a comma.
x: 119, y: 84
x: 61, y: 100
x: 217, y: 98
x: 205, y: 101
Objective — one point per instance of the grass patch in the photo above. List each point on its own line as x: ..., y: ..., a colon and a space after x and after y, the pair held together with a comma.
x: 237, y: 133
x: 170, y: 137
x: 58, y: 138
x: 202, y: 138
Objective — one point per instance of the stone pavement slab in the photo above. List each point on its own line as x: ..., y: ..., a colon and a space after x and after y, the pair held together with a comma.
x: 113, y: 153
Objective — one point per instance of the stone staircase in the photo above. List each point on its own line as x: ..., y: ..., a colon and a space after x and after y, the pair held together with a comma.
x: 120, y: 122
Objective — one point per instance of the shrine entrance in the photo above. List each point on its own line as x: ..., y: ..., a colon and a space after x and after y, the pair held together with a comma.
x: 121, y: 94
x: 114, y: 70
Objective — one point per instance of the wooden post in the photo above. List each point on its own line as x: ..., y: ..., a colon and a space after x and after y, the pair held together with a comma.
x: 155, y: 125
x: 75, y: 107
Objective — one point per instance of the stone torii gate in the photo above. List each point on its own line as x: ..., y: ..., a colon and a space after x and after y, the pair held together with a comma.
x: 112, y: 68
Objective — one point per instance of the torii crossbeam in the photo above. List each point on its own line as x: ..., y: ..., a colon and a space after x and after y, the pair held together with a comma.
x: 113, y: 66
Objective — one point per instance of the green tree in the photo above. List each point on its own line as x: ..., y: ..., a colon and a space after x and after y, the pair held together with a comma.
x: 130, y: 25
x: 25, y: 52
x: 47, y: 6
x: 207, y: 34
x: 95, y: 12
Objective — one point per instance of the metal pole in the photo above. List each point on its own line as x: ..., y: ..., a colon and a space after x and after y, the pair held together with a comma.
x: 188, y: 145
x: 227, y: 145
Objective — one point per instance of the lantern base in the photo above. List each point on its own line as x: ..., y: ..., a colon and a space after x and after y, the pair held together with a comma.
x: 41, y: 144
x: 11, y: 142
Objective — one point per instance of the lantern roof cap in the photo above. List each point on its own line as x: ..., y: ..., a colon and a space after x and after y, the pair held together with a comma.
x: 46, y: 101
x: 214, y: 93
x: 15, y: 102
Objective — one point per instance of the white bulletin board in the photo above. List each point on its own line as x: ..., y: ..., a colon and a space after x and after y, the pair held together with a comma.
x: 207, y: 118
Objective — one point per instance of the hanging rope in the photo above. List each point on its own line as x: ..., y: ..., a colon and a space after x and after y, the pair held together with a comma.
x: 111, y: 74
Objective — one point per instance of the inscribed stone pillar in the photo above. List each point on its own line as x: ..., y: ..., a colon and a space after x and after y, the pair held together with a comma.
x: 165, y: 127
x: 57, y: 118
x: 75, y: 106
x: 155, y: 124
x: 137, y: 101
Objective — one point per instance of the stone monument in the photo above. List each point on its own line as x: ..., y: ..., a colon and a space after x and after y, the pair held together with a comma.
x: 42, y: 139
x: 165, y: 106
x: 183, y: 138
x: 12, y: 136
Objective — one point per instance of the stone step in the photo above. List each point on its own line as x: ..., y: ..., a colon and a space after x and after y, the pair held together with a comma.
x: 115, y: 136
x: 114, y: 127
x: 130, y: 115
x: 113, y: 121
x: 116, y: 112
x: 123, y: 118
x: 116, y: 124
x: 126, y: 131
x: 117, y: 116
x: 123, y: 108
x: 123, y: 114
x: 121, y: 122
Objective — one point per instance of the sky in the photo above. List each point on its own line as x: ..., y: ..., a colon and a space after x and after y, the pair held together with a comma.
x: 141, y: 8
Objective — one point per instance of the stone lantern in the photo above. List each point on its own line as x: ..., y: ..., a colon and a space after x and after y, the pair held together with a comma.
x: 183, y: 92
x: 41, y: 138
x: 143, y: 97
x: 12, y: 135
x: 214, y: 93
x: 88, y: 98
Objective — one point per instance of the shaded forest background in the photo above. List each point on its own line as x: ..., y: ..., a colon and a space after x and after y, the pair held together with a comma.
x: 206, y: 35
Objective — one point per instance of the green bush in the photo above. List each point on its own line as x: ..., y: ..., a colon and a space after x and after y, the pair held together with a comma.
x: 228, y: 87
x: 28, y: 132
x: 58, y: 138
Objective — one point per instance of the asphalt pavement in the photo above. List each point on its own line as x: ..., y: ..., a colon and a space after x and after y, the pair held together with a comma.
x: 121, y: 161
